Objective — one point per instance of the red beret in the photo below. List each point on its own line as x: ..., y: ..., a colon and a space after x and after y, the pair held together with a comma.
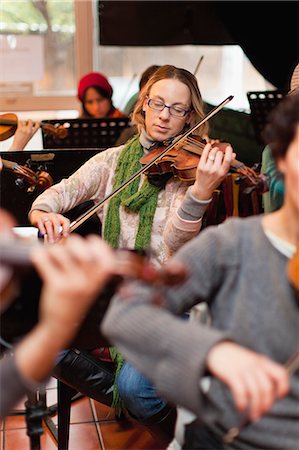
x: 94, y: 79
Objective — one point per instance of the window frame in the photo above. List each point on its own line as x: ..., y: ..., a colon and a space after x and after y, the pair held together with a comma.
x: 84, y: 54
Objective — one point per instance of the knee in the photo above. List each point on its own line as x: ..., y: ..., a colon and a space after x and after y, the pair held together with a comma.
x: 130, y: 384
x: 137, y: 393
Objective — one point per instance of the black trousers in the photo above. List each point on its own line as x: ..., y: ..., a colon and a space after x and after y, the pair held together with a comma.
x: 87, y: 374
x: 198, y: 436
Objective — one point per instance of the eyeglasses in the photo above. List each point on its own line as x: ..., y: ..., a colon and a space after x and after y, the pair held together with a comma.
x: 158, y: 105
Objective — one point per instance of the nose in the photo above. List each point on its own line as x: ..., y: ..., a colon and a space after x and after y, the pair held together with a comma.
x: 165, y: 113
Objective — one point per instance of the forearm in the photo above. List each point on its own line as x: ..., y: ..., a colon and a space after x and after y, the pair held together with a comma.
x: 87, y: 183
x: 186, y: 222
x: 31, y: 363
x: 51, y: 200
x: 35, y: 355
x: 193, y: 207
x: 148, y: 338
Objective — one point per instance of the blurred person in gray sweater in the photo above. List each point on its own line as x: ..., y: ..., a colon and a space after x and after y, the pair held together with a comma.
x: 241, y: 269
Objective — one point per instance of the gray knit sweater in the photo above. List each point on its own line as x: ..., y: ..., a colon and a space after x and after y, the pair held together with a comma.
x: 237, y: 270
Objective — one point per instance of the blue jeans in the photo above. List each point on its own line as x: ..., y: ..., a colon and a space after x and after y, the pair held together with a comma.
x: 138, y: 394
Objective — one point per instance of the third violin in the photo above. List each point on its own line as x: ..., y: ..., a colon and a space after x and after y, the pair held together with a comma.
x: 9, y: 123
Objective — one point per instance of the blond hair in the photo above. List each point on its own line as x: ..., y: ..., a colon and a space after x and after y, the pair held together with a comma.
x: 184, y: 76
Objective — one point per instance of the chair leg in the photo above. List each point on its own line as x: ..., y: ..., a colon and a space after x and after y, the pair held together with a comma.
x: 65, y: 394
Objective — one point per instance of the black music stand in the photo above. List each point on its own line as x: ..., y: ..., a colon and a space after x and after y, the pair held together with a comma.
x: 85, y: 133
x: 261, y: 104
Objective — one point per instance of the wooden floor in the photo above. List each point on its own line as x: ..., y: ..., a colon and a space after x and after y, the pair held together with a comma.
x: 93, y: 427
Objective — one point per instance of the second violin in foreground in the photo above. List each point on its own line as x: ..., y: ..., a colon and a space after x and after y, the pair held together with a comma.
x: 16, y: 254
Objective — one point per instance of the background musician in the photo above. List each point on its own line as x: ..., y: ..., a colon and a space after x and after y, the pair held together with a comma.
x: 273, y: 199
x: 95, y: 94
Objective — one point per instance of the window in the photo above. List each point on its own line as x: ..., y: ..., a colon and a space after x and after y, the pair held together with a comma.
x: 46, y: 46
x: 224, y: 70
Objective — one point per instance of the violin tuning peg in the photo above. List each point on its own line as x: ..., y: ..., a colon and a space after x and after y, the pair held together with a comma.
x: 20, y: 183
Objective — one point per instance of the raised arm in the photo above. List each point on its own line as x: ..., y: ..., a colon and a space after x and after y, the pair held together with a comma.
x: 185, y: 223
x: 25, y: 131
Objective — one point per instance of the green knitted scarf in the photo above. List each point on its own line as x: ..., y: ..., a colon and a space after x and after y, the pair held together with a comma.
x: 143, y: 200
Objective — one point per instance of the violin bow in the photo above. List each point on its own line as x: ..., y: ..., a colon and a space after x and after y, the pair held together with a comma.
x: 198, y: 65
x: 81, y: 219
x: 122, y: 102
x: 292, y: 365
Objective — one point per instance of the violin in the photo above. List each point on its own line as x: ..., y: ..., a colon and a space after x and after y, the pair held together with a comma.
x: 182, y: 160
x: 22, y: 315
x: 39, y: 179
x: 86, y: 215
x: 9, y: 123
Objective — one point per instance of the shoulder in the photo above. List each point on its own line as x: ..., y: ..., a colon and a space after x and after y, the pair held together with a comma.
x: 117, y: 113
x: 235, y: 229
x: 267, y: 157
x: 109, y: 154
x: 227, y: 239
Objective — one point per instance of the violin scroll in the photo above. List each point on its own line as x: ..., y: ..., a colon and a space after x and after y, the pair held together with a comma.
x: 39, y: 179
x: 59, y: 132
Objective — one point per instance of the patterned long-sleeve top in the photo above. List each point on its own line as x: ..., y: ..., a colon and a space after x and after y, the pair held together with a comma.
x: 94, y: 181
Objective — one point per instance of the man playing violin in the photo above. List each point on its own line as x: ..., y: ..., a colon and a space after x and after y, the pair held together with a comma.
x: 144, y: 215
x: 251, y: 352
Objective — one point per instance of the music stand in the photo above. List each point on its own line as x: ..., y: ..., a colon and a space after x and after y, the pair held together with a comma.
x: 261, y: 104
x: 86, y: 133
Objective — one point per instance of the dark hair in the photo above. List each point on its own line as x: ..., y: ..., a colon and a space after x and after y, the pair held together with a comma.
x: 281, y: 129
x: 100, y: 91
x: 147, y: 74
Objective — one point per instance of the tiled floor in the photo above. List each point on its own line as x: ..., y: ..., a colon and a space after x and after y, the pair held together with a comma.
x: 93, y: 426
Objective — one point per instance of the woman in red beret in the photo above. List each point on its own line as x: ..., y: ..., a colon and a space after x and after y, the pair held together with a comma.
x: 95, y: 94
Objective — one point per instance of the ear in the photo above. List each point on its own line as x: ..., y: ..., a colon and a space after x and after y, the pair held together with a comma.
x: 144, y: 104
x: 190, y: 116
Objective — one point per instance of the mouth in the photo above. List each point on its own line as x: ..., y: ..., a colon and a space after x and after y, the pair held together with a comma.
x: 161, y: 128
